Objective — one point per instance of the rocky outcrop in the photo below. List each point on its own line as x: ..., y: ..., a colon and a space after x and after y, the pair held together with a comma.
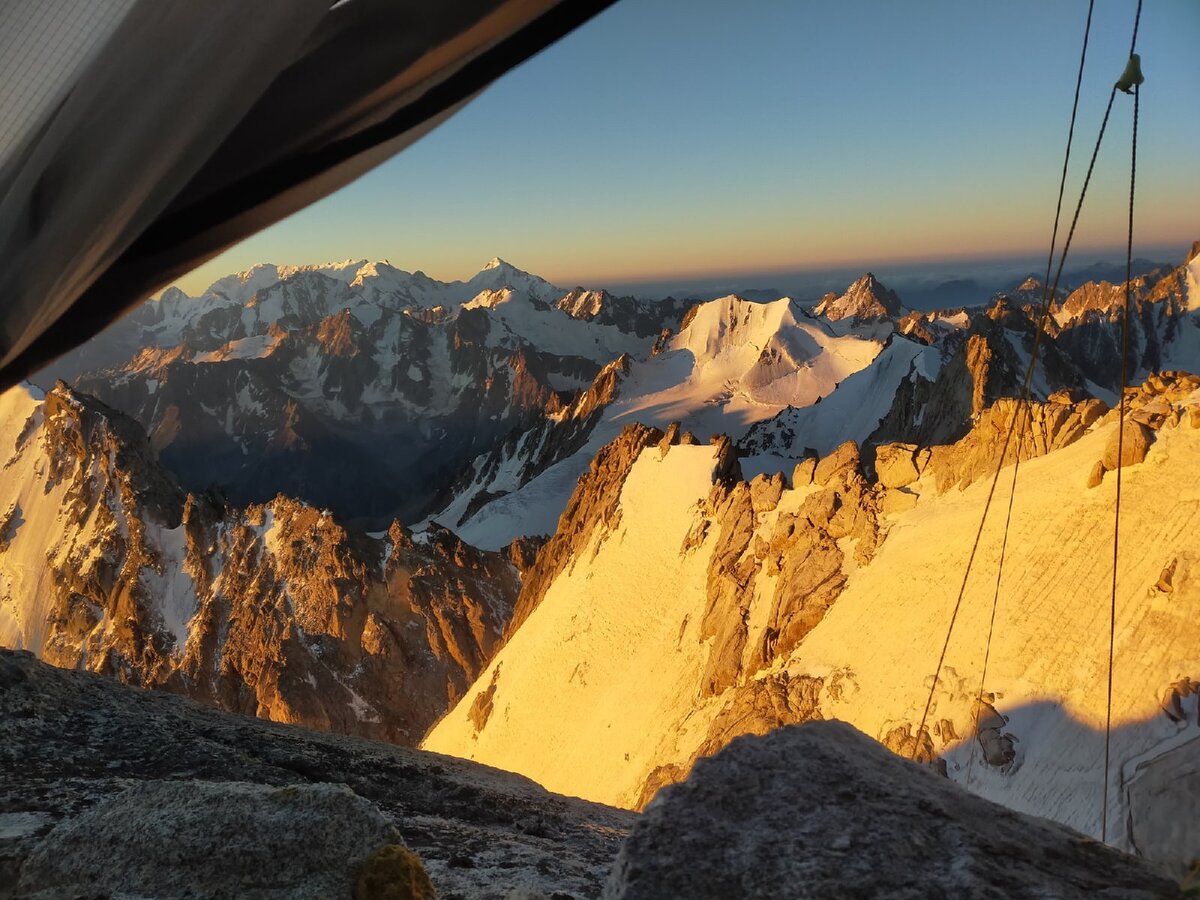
x: 1039, y: 428
x: 899, y: 465
x: 1158, y: 403
x: 984, y: 363
x: 276, y: 610
x: 807, y: 553
x: 802, y: 561
x: 731, y: 574
x: 822, y: 811
x: 1127, y: 447
x: 216, y: 796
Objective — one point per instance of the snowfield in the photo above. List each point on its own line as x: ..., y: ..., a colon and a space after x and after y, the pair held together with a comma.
x: 587, y: 683
x: 735, y: 363
x: 738, y: 362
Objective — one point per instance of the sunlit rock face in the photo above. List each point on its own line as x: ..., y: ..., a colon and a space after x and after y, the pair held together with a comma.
x: 700, y: 606
x: 274, y: 610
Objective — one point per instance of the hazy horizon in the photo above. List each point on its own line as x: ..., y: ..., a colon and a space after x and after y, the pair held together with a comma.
x: 651, y: 147
x: 912, y: 279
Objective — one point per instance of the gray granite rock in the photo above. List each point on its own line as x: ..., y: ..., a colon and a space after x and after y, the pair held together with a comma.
x: 822, y: 811
x: 212, y: 839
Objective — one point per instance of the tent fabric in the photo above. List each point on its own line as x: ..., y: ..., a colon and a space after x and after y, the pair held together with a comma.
x: 143, y: 138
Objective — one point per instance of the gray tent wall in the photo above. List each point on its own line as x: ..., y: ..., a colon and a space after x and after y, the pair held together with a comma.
x: 145, y: 137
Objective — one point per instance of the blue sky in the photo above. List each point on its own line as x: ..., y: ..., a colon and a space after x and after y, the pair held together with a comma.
x: 671, y: 139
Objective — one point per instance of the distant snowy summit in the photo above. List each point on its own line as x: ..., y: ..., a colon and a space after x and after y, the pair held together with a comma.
x: 864, y: 300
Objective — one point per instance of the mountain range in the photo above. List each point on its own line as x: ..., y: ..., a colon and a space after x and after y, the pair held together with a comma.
x: 593, y: 538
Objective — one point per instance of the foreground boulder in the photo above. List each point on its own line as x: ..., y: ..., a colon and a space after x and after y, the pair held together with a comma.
x: 213, y: 839
x: 822, y: 811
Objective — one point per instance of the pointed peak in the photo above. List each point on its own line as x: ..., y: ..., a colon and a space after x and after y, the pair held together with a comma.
x: 495, y: 263
x: 173, y: 294
x: 373, y: 269
x: 867, y: 298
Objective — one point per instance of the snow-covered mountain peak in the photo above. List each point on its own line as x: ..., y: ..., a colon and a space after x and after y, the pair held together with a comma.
x: 172, y: 295
x: 381, y: 281
x: 241, y: 286
x: 490, y: 299
x: 378, y: 269
x: 730, y: 322
x: 498, y: 273
x: 342, y: 271
x: 865, y: 299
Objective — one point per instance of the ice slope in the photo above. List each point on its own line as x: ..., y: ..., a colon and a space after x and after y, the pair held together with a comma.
x: 1049, y: 653
x: 599, y: 687
x: 586, y: 685
x: 531, y: 509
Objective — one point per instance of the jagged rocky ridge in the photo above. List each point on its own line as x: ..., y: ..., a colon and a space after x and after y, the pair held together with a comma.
x: 974, y: 357
x: 274, y: 609
x: 679, y: 605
